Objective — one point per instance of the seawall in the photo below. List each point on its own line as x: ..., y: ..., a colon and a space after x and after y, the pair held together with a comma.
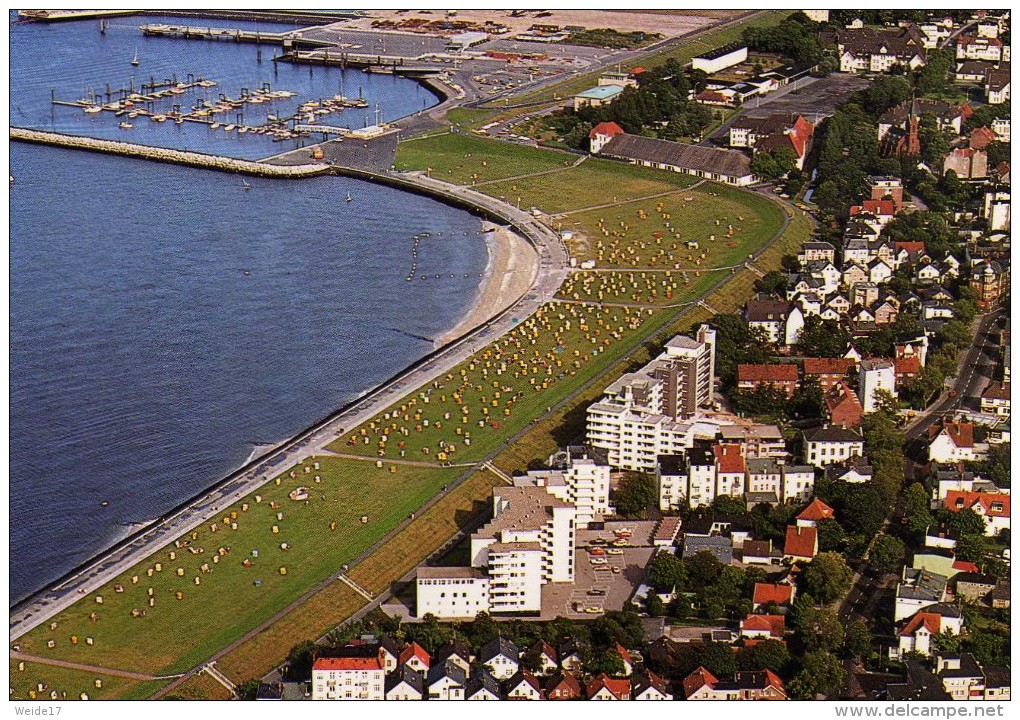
x: 178, y: 157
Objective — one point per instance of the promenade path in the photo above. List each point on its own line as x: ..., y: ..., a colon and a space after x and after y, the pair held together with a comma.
x: 142, y: 677
x: 552, y: 271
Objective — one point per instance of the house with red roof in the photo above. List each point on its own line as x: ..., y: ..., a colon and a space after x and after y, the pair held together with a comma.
x: 778, y: 594
x: 814, y: 512
x: 829, y: 372
x: 761, y: 627
x: 842, y: 406
x: 951, y: 442
x: 882, y: 210
x: 604, y: 687
x: 801, y: 543
x: 915, y: 635
x: 602, y: 134
x: 981, y: 137
x: 993, y: 508
x: 730, y: 469
x: 415, y: 657
x: 649, y: 686
x: 358, y: 673
x: 746, y: 685
x: 562, y: 685
x: 625, y: 658
x: 778, y: 377
x: 907, y: 368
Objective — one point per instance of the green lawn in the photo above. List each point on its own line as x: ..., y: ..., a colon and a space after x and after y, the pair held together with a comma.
x: 594, y: 182
x: 174, y: 635
x: 726, y: 224
x: 470, y: 411
x: 70, y: 684
x: 468, y: 117
x: 651, y: 288
x: 465, y: 159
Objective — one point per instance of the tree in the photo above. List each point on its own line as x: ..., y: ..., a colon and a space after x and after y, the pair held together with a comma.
x: 728, y: 505
x: 718, y: 659
x: 820, y: 629
x: 768, y: 654
x: 888, y: 553
x: 703, y: 568
x: 917, y: 508
x: 822, y: 338
x: 249, y: 689
x: 666, y: 571
x: 774, y: 164
x: 827, y: 577
x: 636, y: 494
x: 772, y: 282
x: 831, y: 535
x: 971, y: 548
x: 821, y: 673
x: 862, y: 508
x: 299, y: 661
x: 962, y: 522
x: 857, y: 641
x: 946, y: 643
x: 606, y: 661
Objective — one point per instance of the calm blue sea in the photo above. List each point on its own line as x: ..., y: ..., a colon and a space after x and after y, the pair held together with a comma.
x: 163, y: 319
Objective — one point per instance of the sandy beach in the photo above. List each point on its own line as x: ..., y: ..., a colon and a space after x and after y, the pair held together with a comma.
x: 509, y: 273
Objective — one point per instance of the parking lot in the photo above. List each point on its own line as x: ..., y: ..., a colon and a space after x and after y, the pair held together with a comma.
x: 603, y: 589
x: 810, y: 97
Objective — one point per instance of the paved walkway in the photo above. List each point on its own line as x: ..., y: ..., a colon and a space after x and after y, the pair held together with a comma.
x: 90, y: 668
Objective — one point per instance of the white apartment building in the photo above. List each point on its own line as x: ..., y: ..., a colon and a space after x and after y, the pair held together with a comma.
x: 528, y: 543
x: 698, y: 476
x: 830, y: 445
x: 349, y: 678
x: 640, y: 415
x: 583, y: 482
x: 876, y: 375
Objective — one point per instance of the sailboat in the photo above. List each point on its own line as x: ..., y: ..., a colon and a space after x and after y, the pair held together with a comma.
x: 134, y: 60
x: 348, y: 198
x: 245, y: 185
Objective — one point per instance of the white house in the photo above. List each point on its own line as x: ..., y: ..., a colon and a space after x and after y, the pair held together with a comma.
x: 501, y: 656
x: 951, y: 442
x: 354, y: 677
x: 917, y: 633
x: 917, y: 590
x: 877, y: 375
x: 993, y: 508
x: 829, y: 445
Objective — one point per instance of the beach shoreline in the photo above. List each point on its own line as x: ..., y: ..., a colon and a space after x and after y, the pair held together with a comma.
x: 510, y: 270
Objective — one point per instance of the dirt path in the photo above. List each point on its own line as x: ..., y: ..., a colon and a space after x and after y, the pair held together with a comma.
x: 90, y: 668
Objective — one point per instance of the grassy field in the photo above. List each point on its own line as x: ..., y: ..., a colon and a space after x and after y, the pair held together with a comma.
x: 465, y: 159
x: 635, y: 286
x: 426, y: 533
x: 69, y: 684
x: 594, y: 182
x: 174, y: 635
x: 200, y: 687
x: 711, y: 226
x: 470, y: 411
x: 308, y: 621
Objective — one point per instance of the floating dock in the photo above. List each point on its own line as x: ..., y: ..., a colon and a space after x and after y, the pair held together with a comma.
x: 289, y: 39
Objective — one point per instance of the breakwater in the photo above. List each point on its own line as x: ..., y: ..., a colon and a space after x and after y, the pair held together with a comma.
x: 179, y: 157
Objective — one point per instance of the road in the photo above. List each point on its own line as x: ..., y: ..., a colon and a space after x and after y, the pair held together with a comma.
x: 973, y: 375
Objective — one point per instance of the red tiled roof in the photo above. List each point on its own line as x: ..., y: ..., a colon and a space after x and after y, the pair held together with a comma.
x: 729, y: 458
x: 697, y: 680
x: 711, y: 96
x: 970, y: 39
x: 828, y: 366
x: 981, y: 137
x: 909, y: 245
x: 961, y: 499
x: 842, y: 397
x: 775, y: 624
x: 996, y: 391
x: 817, y: 510
x: 907, y: 365
x: 771, y: 373
x: 874, y: 207
x: 801, y: 541
x: 605, y: 128
x: 562, y: 680
x: 348, y: 663
x: 619, y: 687
x: 414, y: 650
x: 965, y: 566
x: 932, y: 621
x: 960, y: 433
x: 765, y: 593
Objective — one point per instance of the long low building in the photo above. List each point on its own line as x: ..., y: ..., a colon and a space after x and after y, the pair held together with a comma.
x: 726, y: 166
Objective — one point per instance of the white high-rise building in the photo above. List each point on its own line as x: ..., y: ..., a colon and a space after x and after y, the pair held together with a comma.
x: 529, y: 543
x: 878, y: 374
x: 654, y: 411
x: 583, y: 482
